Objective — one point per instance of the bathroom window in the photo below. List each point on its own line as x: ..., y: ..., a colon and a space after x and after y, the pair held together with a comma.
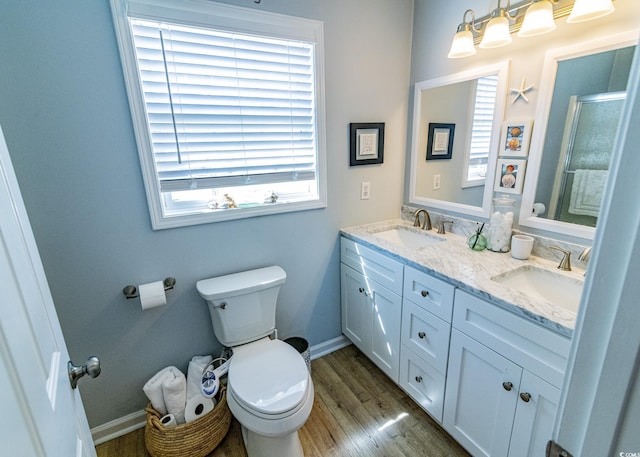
x: 227, y: 106
x: 484, y: 100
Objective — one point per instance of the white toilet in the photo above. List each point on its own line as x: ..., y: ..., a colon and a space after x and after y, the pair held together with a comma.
x: 269, y: 388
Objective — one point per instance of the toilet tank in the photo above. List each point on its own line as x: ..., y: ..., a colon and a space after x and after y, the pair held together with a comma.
x: 243, y: 305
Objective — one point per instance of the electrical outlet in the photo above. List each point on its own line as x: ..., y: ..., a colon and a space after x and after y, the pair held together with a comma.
x: 436, y: 182
x: 365, y: 190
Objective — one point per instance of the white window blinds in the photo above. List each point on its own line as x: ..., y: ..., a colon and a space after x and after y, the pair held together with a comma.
x: 483, y: 113
x: 226, y: 109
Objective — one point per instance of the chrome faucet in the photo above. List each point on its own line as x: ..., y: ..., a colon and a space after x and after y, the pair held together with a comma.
x: 585, y: 255
x: 426, y: 223
x: 565, y: 263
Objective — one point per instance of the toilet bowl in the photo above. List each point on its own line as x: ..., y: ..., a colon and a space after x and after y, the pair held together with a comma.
x: 269, y: 388
x: 270, y: 393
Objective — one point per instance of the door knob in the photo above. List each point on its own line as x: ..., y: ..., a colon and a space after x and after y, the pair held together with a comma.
x: 92, y: 368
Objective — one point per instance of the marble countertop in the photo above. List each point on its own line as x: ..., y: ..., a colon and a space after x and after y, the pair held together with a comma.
x: 453, y: 261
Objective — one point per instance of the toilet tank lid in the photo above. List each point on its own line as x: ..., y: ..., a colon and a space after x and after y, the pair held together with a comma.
x: 241, y: 283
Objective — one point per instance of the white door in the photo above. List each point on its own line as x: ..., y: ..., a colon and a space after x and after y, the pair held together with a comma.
x: 41, y: 414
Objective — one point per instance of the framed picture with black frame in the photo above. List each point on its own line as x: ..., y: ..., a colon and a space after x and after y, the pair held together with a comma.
x: 440, y: 141
x: 367, y: 143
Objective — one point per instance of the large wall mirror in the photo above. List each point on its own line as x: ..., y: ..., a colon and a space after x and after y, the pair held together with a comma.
x: 456, y: 128
x: 582, y: 95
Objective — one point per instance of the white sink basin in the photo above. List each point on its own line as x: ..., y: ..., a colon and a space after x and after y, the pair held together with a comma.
x: 558, y: 289
x: 408, y: 237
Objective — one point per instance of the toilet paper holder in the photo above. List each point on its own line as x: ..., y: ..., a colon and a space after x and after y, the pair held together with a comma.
x: 132, y: 291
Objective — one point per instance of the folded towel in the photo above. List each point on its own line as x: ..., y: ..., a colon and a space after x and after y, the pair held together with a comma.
x: 153, y: 389
x: 174, y: 392
x: 587, y: 192
x: 194, y: 375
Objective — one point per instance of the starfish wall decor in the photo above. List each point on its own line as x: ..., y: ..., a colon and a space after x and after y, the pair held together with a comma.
x: 521, y: 91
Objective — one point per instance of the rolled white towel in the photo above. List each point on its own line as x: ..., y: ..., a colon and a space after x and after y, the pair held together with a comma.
x: 194, y: 375
x: 153, y: 389
x: 174, y: 391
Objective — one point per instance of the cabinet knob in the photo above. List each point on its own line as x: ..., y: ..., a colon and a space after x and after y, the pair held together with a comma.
x: 424, y: 293
x: 418, y: 378
x: 421, y: 335
x: 360, y: 289
x: 525, y: 396
x: 507, y: 386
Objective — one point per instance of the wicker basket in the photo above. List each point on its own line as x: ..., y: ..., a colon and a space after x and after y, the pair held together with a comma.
x: 195, y: 439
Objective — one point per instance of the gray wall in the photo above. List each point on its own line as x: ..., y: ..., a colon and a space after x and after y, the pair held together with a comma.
x: 64, y: 112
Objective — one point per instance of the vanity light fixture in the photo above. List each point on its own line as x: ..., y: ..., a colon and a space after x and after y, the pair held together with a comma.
x: 497, y: 33
x: 585, y: 10
x: 538, y: 19
x: 462, y: 44
x: 528, y: 18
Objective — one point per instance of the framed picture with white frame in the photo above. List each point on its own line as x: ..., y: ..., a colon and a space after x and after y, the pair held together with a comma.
x: 510, y: 175
x: 514, y: 141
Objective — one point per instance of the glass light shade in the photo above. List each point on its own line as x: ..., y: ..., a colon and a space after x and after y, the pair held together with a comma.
x: 538, y: 19
x: 496, y: 33
x: 585, y: 10
x: 462, y: 45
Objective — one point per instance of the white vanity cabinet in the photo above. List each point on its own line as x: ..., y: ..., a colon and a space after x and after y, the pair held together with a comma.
x: 492, y: 378
x: 371, y: 288
x: 426, y: 326
x: 503, y: 380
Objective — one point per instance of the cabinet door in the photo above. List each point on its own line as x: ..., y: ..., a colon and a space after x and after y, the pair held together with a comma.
x: 481, y: 395
x: 386, y: 308
x: 355, y: 308
x: 535, y: 415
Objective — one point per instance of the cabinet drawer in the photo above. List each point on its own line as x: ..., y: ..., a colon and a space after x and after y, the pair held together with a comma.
x: 373, y: 265
x: 422, y: 383
x: 426, y: 335
x: 540, y: 350
x: 432, y: 294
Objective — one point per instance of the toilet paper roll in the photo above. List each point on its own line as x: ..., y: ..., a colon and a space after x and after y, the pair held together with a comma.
x: 152, y: 295
x: 169, y: 421
x: 197, y: 407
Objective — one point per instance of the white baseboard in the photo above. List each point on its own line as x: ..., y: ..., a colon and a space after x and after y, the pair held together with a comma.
x: 136, y: 420
x: 329, y: 346
x: 118, y: 427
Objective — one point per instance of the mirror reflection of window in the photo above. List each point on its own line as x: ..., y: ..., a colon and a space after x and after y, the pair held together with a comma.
x: 481, y: 125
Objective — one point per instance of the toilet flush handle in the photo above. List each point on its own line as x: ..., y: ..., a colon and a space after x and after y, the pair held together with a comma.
x: 222, y: 305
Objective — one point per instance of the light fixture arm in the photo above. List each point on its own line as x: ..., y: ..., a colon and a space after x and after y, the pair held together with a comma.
x: 505, y: 12
x: 468, y: 26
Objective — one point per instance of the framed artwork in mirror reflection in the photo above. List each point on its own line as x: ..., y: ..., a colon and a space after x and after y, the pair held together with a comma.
x: 514, y: 141
x: 440, y: 141
x: 366, y: 143
x: 510, y: 175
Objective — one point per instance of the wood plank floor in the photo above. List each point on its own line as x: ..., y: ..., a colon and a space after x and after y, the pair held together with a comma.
x: 357, y: 412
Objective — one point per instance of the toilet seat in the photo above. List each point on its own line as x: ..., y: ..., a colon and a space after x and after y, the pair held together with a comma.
x: 268, y: 378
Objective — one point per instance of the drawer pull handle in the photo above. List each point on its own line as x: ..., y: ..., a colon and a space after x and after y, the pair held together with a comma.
x: 421, y: 335
x: 507, y: 386
x: 525, y: 396
x: 418, y: 378
x: 424, y: 293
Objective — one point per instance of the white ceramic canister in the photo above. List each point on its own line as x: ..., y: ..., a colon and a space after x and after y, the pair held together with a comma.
x: 501, y: 224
